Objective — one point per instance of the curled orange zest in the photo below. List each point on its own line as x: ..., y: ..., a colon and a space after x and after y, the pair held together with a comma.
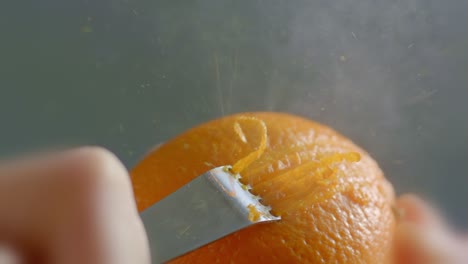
x: 243, y: 163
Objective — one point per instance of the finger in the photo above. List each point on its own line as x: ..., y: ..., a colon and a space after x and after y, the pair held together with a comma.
x: 406, y: 241
x: 76, y: 206
x: 419, y: 245
x: 423, y: 236
x: 109, y: 230
x: 418, y: 211
x: 33, y: 191
x: 415, y: 245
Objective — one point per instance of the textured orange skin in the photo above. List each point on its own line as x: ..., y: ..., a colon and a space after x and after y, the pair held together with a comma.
x: 344, y: 216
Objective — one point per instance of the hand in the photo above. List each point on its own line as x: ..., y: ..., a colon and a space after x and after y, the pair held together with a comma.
x: 71, y: 207
x: 423, y: 236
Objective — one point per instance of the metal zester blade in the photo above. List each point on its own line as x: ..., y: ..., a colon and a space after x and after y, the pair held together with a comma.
x: 206, y: 209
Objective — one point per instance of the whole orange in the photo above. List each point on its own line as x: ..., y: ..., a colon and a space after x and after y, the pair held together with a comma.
x: 334, y: 201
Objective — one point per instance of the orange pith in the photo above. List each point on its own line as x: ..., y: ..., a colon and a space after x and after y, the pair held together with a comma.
x: 334, y: 201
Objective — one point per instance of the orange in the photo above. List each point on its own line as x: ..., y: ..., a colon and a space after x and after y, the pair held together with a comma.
x: 334, y: 201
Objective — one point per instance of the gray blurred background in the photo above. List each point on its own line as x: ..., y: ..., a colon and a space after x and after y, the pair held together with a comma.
x: 127, y: 74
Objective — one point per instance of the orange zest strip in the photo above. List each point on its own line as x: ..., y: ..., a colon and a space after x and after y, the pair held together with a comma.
x: 254, y: 214
x: 239, y: 132
x: 321, y: 177
x: 243, y: 163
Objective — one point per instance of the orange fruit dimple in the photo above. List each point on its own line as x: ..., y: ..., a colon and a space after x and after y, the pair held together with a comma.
x: 334, y: 201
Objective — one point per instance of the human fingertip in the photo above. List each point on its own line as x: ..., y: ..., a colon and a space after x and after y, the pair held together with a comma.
x: 415, y: 209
